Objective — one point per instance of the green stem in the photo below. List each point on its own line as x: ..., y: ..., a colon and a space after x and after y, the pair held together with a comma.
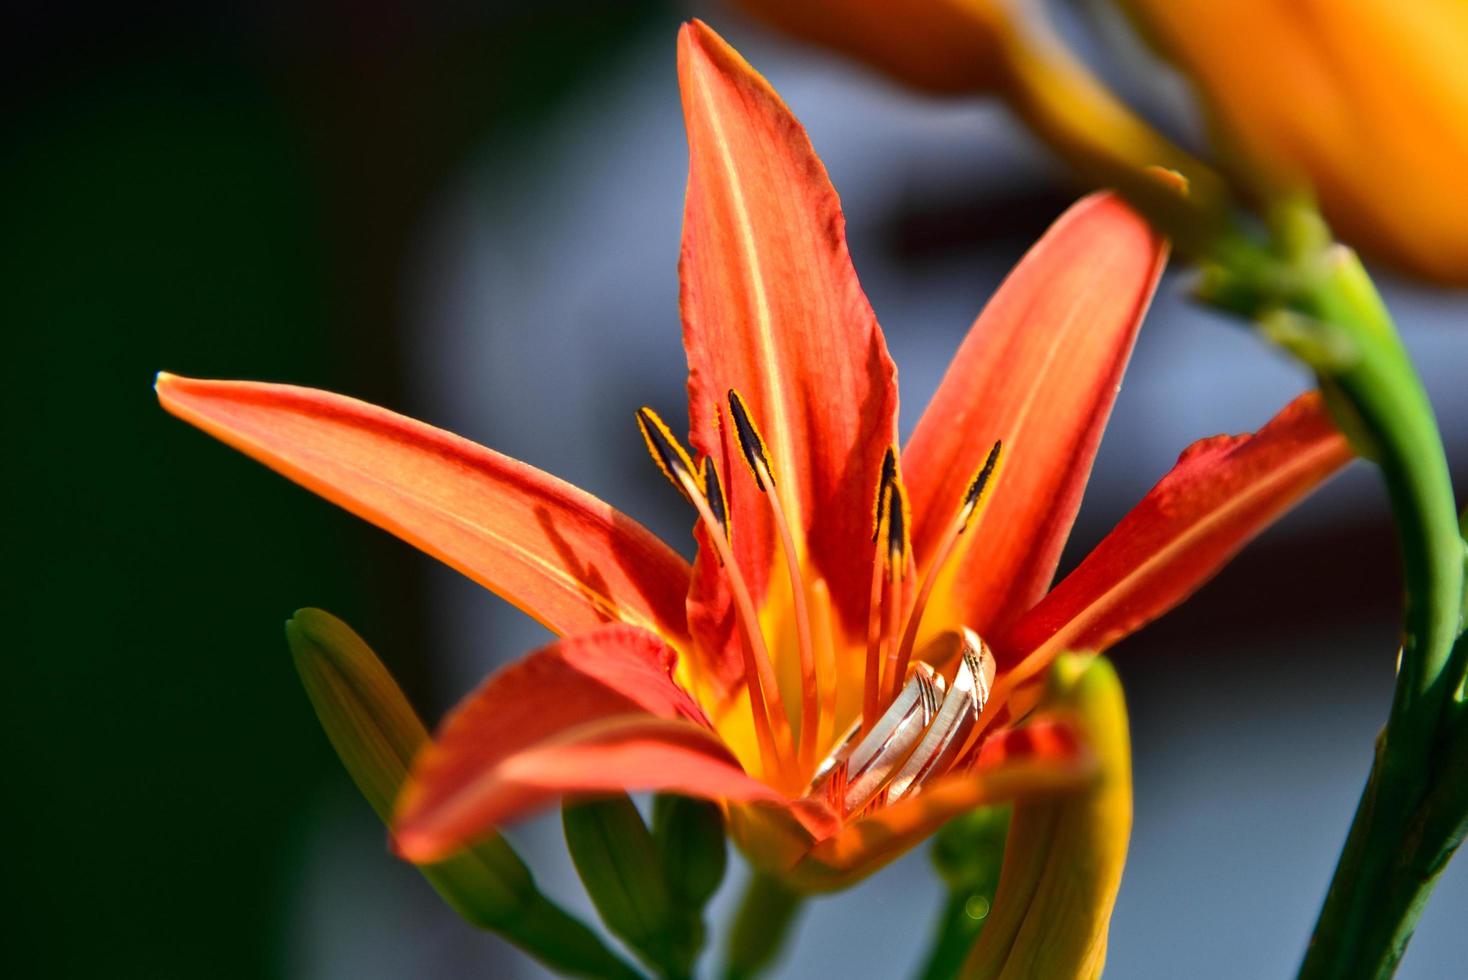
x: 963, y: 919
x: 1388, y: 868
x: 766, y: 914
x: 1316, y: 299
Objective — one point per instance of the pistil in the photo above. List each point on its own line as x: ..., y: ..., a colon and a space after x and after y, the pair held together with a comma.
x: 752, y: 445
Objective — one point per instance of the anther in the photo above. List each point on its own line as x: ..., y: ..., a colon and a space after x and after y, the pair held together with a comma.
x: 884, y: 479
x: 667, y: 452
x: 976, y: 486
x: 751, y: 443
x: 713, y: 492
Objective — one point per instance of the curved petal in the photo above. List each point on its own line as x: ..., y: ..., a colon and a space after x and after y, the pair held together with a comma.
x: 563, y: 556
x: 1221, y: 493
x: 1039, y: 369
x: 1063, y: 858
x: 772, y: 307
x: 598, y: 711
x: 1041, y: 757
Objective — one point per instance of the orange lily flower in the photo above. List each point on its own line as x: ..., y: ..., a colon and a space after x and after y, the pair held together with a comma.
x: 848, y: 661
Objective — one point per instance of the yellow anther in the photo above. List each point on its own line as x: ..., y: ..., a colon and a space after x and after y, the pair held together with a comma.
x: 976, y: 487
x: 887, y: 475
x: 713, y: 492
x: 751, y: 443
x: 667, y: 452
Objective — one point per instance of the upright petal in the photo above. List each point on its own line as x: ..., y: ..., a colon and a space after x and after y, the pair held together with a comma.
x: 1221, y: 493
x: 1039, y: 370
x: 771, y: 306
x: 595, y: 712
x: 560, y: 554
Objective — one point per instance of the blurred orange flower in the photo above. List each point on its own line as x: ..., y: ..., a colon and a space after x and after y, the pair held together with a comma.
x: 897, y: 650
x: 1365, y: 101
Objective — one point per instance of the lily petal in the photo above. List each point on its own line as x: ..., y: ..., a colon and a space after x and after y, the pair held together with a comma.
x: 772, y: 307
x: 1221, y: 493
x: 563, y: 556
x: 1041, y: 757
x: 594, y: 712
x: 1039, y: 370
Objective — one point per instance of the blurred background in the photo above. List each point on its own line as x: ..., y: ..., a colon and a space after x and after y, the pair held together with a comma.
x: 470, y: 213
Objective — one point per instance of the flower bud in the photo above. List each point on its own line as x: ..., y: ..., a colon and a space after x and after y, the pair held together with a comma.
x: 1064, y: 856
x: 618, y: 863
x: 932, y: 44
x: 1363, y: 101
x: 376, y: 734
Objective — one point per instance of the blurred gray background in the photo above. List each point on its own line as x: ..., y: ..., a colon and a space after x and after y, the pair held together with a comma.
x: 500, y: 234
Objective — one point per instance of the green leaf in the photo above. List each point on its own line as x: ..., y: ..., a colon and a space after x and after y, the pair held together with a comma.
x: 766, y: 917
x: 376, y: 734
x: 619, y: 864
x: 689, y: 836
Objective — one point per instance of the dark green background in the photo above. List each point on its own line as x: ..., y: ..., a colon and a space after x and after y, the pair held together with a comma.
x: 218, y: 196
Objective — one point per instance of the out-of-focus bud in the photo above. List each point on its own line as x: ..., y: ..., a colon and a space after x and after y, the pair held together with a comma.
x: 1064, y: 855
x: 1009, y: 48
x: 1365, y: 101
x: 376, y: 733
x: 939, y: 45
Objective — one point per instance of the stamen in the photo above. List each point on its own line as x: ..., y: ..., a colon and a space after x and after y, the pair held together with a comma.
x: 713, y: 492
x: 667, y: 452
x: 899, y: 546
x: 752, y: 444
x: 764, y: 692
x: 973, y: 498
x: 871, y: 679
x: 824, y: 631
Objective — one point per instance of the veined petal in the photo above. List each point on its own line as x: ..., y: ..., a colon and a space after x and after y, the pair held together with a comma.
x: 1041, y: 757
x: 563, y: 556
x: 594, y: 712
x: 1039, y: 370
x: 1221, y: 493
x: 772, y: 307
